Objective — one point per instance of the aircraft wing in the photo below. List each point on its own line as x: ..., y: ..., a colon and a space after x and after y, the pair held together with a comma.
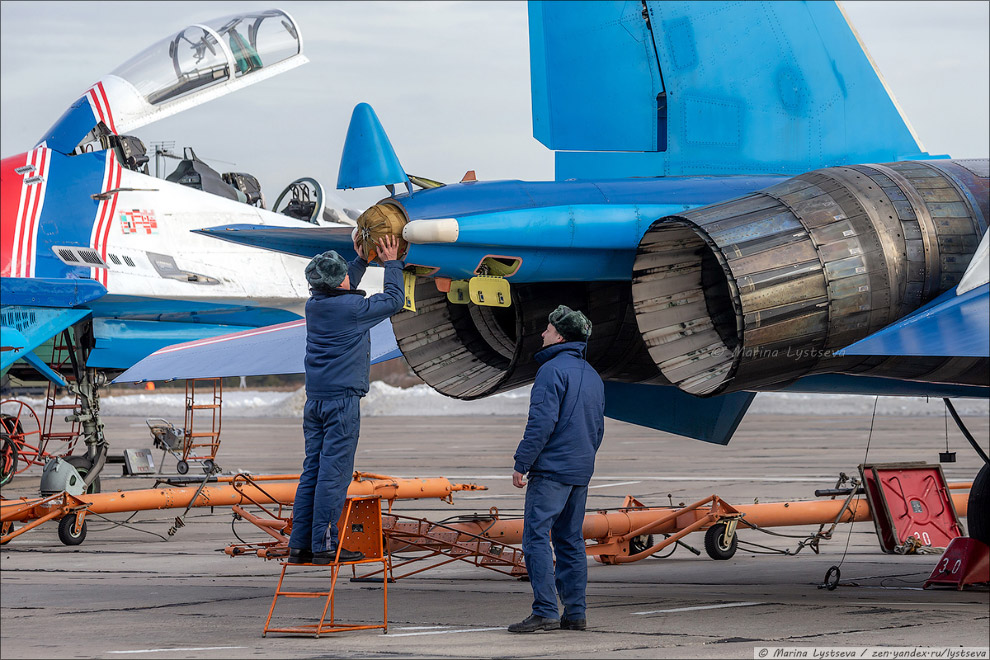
x: 301, y: 241
x: 950, y: 325
x: 956, y: 324
x: 36, y: 309
x: 275, y: 349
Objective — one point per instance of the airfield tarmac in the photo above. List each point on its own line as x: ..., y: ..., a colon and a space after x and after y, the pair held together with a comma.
x: 127, y: 593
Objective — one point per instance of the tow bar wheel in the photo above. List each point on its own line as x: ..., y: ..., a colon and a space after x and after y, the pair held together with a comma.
x: 721, y: 540
x: 68, y: 533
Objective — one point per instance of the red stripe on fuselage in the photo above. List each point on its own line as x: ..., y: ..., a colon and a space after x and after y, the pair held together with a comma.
x: 10, y: 200
x: 105, y: 216
x: 29, y: 194
x: 106, y: 106
x: 116, y: 172
x: 101, y: 213
x: 38, y: 193
x: 94, y: 101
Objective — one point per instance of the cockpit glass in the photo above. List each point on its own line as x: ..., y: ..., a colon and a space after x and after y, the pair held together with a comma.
x: 193, y: 59
x: 257, y: 39
x: 182, y: 64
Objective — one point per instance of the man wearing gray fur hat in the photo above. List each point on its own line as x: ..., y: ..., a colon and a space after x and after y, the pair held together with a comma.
x: 565, y: 428
x: 338, y: 359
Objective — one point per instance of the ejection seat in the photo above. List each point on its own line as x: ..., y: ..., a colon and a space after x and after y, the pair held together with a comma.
x: 194, y: 173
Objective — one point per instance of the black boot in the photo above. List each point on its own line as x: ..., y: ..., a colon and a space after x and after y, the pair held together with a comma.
x: 573, y: 624
x: 534, y: 622
x: 328, y: 557
x: 300, y: 555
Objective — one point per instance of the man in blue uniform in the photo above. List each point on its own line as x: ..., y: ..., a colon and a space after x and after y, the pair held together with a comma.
x: 338, y: 359
x: 564, y: 430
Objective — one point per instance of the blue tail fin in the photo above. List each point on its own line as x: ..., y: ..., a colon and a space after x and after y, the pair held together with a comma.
x: 673, y: 88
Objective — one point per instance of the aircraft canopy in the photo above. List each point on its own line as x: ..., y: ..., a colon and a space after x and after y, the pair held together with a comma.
x: 208, y: 54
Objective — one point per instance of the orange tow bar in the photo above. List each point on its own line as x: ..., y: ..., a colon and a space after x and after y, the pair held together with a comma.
x: 242, y: 489
x: 613, y: 532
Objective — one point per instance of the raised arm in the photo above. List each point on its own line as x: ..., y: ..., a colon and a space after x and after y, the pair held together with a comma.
x: 380, y: 306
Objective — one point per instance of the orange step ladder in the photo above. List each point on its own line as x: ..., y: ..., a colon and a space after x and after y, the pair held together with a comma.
x: 360, y: 529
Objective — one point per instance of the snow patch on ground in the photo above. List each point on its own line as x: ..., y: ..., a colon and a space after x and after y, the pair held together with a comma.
x: 421, y: 401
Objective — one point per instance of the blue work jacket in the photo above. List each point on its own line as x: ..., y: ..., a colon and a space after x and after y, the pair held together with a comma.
x: 338, y: 338
x: 566, y: 417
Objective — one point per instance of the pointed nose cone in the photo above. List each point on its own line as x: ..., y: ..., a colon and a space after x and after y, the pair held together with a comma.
x: 368, y: 159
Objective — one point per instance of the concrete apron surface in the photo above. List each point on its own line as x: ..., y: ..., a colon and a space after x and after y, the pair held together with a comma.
x: 126, y: 592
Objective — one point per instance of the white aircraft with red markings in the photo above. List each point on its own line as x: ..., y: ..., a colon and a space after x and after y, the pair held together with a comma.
x: 99, y: 252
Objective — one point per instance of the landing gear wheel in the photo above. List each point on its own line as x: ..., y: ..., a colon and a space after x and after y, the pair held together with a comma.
x: 8, y: 456
x: 182, y: 467
x: 67, y: 532
x: 83, y: 466
x: 978, y: 512
x: 715, y: 544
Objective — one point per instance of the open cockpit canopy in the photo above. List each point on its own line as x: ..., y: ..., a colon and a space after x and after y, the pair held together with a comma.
x: 196, y: 64
x: 204, y: 55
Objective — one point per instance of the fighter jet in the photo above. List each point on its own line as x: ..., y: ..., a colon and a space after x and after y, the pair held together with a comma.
x: 739, y: 206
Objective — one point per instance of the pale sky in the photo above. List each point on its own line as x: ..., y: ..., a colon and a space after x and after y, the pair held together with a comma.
x: 449, y: 80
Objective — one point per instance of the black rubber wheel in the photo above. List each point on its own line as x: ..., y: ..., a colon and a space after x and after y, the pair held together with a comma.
x: 8, y: 456
x: 83, y: 466
x: 208, y: 466
x: 715, y: 542
x: 66, y: 531
x: 182, y: 467
x: 831, y: 578
x: 978, y: 511
x: 638, y: 544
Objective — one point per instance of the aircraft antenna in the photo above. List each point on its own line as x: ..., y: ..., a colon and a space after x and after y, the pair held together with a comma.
x: 163, y: 150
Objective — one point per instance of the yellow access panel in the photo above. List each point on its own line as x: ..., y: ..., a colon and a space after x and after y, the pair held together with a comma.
x: 489, y: 291
x: 459, y: 293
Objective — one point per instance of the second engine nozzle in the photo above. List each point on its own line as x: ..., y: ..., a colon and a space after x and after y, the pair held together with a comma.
x: 471, y: 351
x: 762, y: 289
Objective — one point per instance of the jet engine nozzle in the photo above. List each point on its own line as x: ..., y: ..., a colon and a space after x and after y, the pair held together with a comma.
x: 762, y: 289
x: 467, y: 351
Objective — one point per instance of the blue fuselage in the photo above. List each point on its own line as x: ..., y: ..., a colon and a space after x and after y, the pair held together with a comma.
x: 561, y: 231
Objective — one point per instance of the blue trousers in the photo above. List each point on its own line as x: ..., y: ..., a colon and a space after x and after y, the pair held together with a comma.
x: 555, y: 512
x: 331, y: 429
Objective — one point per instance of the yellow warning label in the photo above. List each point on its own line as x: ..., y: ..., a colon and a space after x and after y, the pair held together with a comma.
x: 409, y: 286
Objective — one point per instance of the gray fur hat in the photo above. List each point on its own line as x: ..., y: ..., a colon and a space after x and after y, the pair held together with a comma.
x: 326, y: 271
x: 571, y: 324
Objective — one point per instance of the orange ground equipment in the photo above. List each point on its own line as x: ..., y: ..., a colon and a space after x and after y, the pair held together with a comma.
x: 199, y: 441
x: 360, y: 526
x: 238, y: 490
x: 623, y: 535
x: 615, y: 537
x: 27, y: 441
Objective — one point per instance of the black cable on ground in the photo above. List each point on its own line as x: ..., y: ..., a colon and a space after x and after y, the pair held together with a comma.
x: 124, y: 524
x: 831, y: 580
